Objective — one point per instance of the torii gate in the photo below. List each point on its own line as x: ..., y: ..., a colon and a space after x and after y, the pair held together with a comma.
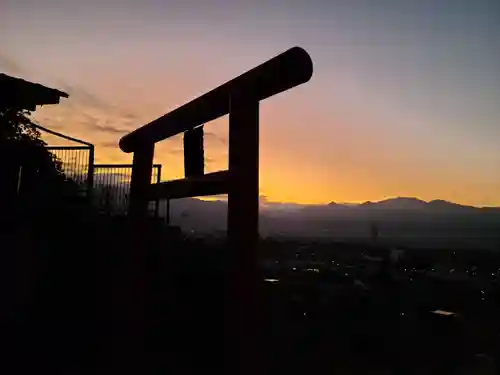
x: 240, y: 99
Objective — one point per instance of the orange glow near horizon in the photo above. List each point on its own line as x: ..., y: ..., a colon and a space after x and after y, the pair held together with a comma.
x: 298, y: 176
x: 407, y: 108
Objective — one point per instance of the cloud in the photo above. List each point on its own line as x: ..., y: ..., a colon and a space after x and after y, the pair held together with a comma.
x: 174, y: 151
x: 112, y: 144
x: 263, y: 199
x: 92, y: 120
x: 83, y: 96
x: 210, y: 161
x: 88, y: 116
x: 215, y: 136
x: 10, y: 65
x: 89, y: 113
x: 108, y: 128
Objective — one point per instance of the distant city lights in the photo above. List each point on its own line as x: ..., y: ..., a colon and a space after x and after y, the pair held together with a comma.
x: 444, y: 312
x: 271, y: 280
x: 312, y: 270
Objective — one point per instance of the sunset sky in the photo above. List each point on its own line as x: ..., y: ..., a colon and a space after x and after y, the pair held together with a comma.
x: 404, y: 100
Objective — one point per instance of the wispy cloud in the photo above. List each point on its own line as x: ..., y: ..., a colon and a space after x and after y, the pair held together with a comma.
x: 111, y: 144
x: 108, y: 128
x: 10, y: 65
x: 211, y: 135
x: 88, y: 116
x: 174, y: 151
x: 94, y: 119
x: 84, y: 96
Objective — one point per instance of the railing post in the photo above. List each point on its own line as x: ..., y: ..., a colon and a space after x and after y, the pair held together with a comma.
x: 243, y: 229
x: 90, y: 176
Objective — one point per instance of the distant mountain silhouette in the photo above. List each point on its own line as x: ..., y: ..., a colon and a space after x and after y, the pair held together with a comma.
x: 398, y: 203
x: 402, y: 220
x: 411, y: 203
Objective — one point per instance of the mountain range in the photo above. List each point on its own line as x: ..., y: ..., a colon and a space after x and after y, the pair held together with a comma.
x: 410, y: 203
x: 402, y: 220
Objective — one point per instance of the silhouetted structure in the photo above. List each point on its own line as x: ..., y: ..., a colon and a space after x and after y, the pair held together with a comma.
x: 19, y: 146
x: 114, y: 180
x: 77, y: 161
x: 240, y: 99
x: 20, y: 94
x: 69, y: 296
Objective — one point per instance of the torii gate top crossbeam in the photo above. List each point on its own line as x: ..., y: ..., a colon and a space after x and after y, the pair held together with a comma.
x: 285, y: 71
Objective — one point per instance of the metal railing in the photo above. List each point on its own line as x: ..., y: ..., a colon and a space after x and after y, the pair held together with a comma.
x: 77, y: 161
x: 107, y: 186
x: 112, y: 188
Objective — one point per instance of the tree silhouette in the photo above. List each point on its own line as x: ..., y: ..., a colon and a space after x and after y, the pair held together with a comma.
x: 33, y: 177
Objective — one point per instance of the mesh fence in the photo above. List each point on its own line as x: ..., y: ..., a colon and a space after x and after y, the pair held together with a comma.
x: 112, y: 188
x: 75, y: 162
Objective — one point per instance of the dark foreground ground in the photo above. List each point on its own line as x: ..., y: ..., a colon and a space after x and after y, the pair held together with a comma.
x: 67, y: 286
